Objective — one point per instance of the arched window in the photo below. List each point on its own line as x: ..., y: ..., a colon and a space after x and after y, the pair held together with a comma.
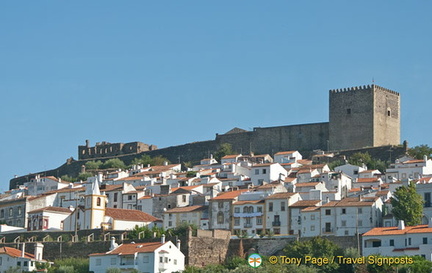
x: 220, y: 217
x: 98, y: 202
x: 251, y: 210
x: 245, y: 209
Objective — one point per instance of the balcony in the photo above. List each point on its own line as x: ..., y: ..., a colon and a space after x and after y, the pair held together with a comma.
x: 328, y: 230
x: 247, y: 225
x: 276, y: 223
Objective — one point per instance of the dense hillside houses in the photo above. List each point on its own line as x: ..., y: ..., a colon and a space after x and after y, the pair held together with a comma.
x: 249, y: 195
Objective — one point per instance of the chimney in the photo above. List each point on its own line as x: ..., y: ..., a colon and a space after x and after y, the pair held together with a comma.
x: 100, y: 178
x: 113, y: 244
x: 23, y: 250
x: 163, y: 239
x: 165, y: 163
x: 38, y: 251
x: 178, y: 244
x: 425, y: 158
x: 401, y: 225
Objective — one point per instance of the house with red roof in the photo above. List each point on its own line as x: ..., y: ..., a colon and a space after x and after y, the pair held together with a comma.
x: 144, y: 257
x: 399, y: 241
x: 16, y: 258
x: 48, y: 218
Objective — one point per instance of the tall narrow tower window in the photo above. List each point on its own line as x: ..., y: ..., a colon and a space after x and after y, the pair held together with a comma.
x: 388, y: 113
x: 98, y: 202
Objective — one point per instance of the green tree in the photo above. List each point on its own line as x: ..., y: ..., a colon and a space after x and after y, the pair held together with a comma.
x: 113, y: 163
x: 224, y: 149
x: 113, y: 270
x: 365, y: 158
x: 420, y: 265
x: 317, y: 247
x: 93, y: 165
x: 84, y: 176
x: 67, y: 178
x: 77, y: 265
x: 420, y: 151
x: 147, y: 160
x: 407, y: 205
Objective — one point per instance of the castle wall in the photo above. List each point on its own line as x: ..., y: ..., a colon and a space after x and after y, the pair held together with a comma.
x: 387, y: 117
x: 106, y: 149
x: 351, y: 118
x: 269, y: 140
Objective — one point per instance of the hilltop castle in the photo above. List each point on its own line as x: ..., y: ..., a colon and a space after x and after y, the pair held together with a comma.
x: 359, y: 117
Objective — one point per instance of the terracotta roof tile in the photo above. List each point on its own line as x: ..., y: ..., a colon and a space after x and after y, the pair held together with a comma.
x: 130, y: 249
x: 130, y: 215
x: 285, y: 153
x: 396, y: 231
x: 305, y: 203
x: 13, y: 252
x: 281, y: 195
x: 248, y: 202
x: 186, y: 209
x: 54, y: 209
x: 229, y: 195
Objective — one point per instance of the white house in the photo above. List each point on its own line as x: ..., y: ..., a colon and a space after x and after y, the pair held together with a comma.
x: 197, y: 215
x: 409, y: 169
x: 144, y: 257
x: 12, y: 258
x: 39, y: 185
x: 248, y: 217
x: 350, y: 170
x: 287, y: 157
x: 399, y: 241
x: 267, y: 172
x: 277, y: 215
x: 47, y: 218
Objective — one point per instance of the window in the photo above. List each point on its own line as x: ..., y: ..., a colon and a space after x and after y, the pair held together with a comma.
x: 2, y: 213
x: 98, y: 202
x: 388, y: 113
x: 346, y: 232
x: 18, y: 263
x: 409, y: 241
x: 166, y: 259
x: 129, y: 197
x: 313, y: 217
x: 245, y: 209
x: 282, y: 206
x: 259, y: 209
x: 237, y: 221
x: 360, y: 210
x: 312, y: 228
x: 259, y: 220
x: 391, y: 242
x: 10, y: 212
x: 237, y: 210
x: 343, y: 211
x: 264, y: 171
x: 427, y: 199
x: 220, y: 217
x: 425, y: 240
x: 355, y: 172
x: 115, y: 196
x: 145, y: 259
x: 183, y: 198
x: 349, y: 111
x: 256, y: 171
x: 327, y: 212
x: 113, y: 261
x: 98, y: 261
x: 175, y: 261
x: 161, y: 259
x: 360, y: 223
x: 19, y: 210
x: 170, y: 223
x: 343, y: 223
x: 270, y: 206
x: 220, y: 205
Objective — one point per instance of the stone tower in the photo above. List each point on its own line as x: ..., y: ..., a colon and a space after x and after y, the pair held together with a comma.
x: 367, y: 116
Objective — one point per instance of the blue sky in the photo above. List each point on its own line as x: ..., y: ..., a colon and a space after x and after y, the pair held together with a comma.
x: 172, y: 72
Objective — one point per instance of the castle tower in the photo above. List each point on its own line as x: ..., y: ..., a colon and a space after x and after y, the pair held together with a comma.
x: 367, y: 116
x: 95, y: 204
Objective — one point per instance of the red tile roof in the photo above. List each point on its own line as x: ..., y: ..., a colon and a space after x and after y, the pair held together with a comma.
x: 286, y: 152
x: 53, y: 209
x: 130, y: 215
x: 186, y: 209
x: 130, y: 249
x: 281, y: 195
x: 396, y: 231
x: 229, y: 195
x: 305, y: 203
x: 13, y: 252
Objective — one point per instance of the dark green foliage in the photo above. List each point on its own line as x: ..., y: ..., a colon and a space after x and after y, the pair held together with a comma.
x: 93, y: 165
x: 113, y: 163
x: 84, y: 176
x: 234, y: 262
x: 224, y: 149
x: 420, y: 151
x: 407, y: 205
x: 148, y: 232
x: 147, y: 160
x: 316, y: 247
x: 70, y: 265
x: 420, y: 265
x: 364, y: 158
x: 335, y: 164
x: 182, y: 229
x: 191, y: 174
x: 67, y: 178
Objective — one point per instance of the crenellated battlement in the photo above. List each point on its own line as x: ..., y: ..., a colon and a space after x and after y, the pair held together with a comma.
x: 361, y: 88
